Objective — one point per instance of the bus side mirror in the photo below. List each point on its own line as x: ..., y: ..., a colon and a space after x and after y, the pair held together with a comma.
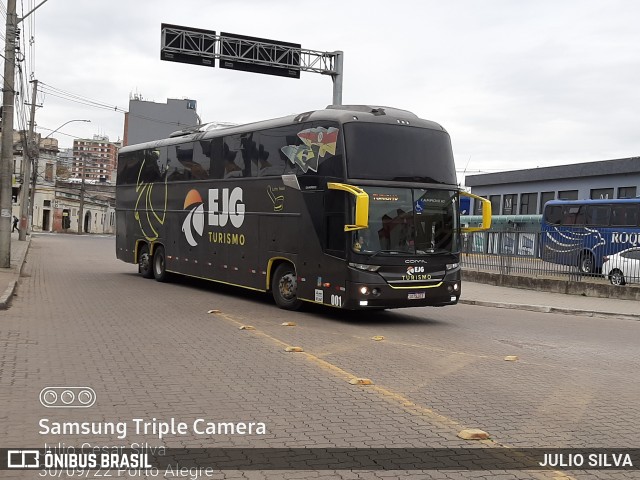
x: 486, y: 214
x: 362, y: 205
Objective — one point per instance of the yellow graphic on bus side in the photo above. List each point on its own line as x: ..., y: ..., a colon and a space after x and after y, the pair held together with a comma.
x: 144, y: 191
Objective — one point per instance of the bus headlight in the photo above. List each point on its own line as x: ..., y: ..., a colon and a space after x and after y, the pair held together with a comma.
x: 451, y: 266
x: 364, y: 290
x: 365, y: 267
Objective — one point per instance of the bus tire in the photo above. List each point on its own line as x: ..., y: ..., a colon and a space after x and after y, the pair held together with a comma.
x: 616, y: 277
x: 145, y: 262
x: 160, y: 265
x: 284, y: 286
x: 586, y: 263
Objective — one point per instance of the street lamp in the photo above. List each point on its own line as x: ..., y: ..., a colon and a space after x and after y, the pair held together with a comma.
x: 65, y: 123
x: 26, y: 201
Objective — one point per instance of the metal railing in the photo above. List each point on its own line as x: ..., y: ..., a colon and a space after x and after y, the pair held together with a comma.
x: 528, y: 252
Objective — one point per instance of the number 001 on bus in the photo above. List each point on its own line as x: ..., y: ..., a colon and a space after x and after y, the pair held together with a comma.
x: 354, y: 207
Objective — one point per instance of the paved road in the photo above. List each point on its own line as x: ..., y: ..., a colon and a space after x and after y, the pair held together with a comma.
x: 151, y: 350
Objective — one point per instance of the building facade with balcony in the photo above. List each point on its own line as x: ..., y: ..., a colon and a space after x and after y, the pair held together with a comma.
x: 96, y: 158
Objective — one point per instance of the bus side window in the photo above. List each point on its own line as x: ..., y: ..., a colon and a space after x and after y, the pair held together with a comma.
x: 179, y: 162
x: 553, y: 214
x: 129, y: 167
x: 201, y: 160
x: 236, y: 152
x: 598, y: 215
x: 270, y: 159
x: 624, y: 216
x: 216, y: 169
x: 155, y: 164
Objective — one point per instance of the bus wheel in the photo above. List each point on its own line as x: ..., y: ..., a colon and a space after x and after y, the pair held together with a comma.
x: 284, y: 287
x: 585, y: 263
x: 616, y: 277
x: 145, y: 267
x: 159, y: 265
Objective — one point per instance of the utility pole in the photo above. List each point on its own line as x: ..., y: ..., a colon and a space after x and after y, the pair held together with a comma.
x: 28, y: 158
x: 81, y: 209
x: 6, y: 158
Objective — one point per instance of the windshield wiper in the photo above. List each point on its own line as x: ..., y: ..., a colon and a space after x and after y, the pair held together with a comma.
x: 432, y: 251
x: 388, y: 251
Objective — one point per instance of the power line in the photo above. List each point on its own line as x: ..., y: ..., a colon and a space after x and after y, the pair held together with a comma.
x: 82, y: 100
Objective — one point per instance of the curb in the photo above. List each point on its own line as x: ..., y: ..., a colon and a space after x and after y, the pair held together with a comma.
x: 546, y: 309
x: 5, y: 299
x: 7, y: 296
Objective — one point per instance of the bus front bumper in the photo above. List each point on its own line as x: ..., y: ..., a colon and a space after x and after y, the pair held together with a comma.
x: 381, y: 295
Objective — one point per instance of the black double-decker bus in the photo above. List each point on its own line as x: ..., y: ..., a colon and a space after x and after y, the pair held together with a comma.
x: 354, y: 207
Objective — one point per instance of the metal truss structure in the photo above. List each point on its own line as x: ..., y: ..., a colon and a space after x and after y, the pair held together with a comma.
x: 203, y: 47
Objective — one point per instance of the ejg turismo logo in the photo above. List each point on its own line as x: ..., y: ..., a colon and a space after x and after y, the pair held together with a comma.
x: 195, y: 218
x: 224, y: 206
x: 414, y: 270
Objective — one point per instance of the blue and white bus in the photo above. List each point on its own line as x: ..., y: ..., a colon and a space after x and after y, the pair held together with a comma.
x: 582, y: 232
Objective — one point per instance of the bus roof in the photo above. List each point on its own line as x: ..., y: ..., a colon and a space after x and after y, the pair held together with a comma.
x: 336, y: 113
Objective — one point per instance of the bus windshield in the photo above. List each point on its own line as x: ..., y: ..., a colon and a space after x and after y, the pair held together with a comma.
x: 398, y: 153
x: 412, y: 221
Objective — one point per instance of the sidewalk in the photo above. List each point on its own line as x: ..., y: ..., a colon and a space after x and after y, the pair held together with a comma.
x: 9, y: 276
x: 547, y: 302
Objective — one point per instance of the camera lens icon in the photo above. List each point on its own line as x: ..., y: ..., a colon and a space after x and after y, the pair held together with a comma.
x: 67, y: 397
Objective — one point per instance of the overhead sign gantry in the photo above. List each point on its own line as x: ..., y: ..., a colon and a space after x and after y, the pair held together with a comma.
x: 250, y: 54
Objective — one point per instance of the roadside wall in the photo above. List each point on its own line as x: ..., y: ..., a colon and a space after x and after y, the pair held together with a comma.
x: 583, y: 288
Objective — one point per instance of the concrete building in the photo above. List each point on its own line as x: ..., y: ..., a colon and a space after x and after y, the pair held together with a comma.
x: 97, y: 157
x: 65, y: 162
x: 148, y: 121
x: 524, y: 192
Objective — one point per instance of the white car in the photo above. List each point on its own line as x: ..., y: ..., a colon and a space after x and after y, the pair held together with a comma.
x: 623, y: 267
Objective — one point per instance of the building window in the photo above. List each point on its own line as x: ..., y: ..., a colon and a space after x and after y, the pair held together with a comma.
x: 47, y: 203
x: 528, y: 203
x: 495, y: 204
x: 568, y: 195
x: 601, y: 193
x: 627, y: 192
x: 510, y: 204
x: 544, y: 198
x: 48, y: 172
x: 477, y: 207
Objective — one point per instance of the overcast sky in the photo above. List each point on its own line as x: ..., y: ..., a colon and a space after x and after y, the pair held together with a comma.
x: 516, y: 83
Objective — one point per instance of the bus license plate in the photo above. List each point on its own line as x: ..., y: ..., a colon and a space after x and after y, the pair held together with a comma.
x: 415, y: 295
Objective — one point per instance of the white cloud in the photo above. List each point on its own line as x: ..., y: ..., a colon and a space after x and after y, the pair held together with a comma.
x: 517, y: 84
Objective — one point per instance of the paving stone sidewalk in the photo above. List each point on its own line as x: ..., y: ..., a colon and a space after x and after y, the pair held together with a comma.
x: 9, y: 276
x: 522, y: 299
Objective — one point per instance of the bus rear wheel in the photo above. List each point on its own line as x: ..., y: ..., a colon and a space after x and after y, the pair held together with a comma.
x: 284, y: 287
x: 159, y: 265
x: 145, y: 267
